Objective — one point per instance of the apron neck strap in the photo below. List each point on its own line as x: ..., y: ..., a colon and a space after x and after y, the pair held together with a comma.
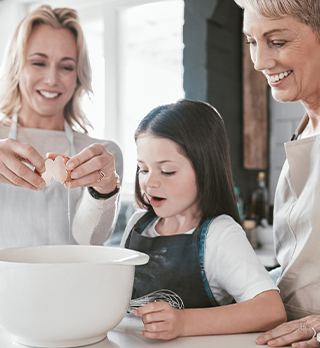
x: 302, y: 125
x: 13, y: 127
x: 69, y: 135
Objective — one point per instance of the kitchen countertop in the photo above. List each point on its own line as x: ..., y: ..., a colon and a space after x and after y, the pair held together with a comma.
x: 126, y: 335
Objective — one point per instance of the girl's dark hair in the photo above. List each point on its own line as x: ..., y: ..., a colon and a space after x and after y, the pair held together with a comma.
x: 199, y: 131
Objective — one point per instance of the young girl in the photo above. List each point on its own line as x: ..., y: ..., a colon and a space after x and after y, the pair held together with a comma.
x: 190, y: 228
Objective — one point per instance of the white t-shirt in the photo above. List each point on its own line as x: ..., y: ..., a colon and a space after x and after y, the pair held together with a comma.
x: 232, y: 268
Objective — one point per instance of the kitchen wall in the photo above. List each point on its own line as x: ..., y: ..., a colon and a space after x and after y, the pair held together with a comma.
x: 213, y: 71
x: 11, y: 12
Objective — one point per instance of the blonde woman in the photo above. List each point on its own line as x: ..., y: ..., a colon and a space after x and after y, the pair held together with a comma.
x: 45, y: 73
x: 284, y: 40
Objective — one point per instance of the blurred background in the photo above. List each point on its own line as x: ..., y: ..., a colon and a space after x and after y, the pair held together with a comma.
x: 149, y: 52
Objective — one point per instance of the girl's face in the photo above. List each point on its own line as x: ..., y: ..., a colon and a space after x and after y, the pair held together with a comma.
x: 49, y: 76
x: 167, y: 177
x: 287, y: 52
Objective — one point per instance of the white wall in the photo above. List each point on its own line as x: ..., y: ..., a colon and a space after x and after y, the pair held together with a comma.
x: 11, y: 12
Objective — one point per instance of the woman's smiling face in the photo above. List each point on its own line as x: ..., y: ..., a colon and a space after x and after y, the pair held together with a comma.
x: 49, y: 76
x: 167, y: 177
x: 287, y: 52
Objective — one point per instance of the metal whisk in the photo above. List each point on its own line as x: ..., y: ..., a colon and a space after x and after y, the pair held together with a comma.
x: 169, y: 296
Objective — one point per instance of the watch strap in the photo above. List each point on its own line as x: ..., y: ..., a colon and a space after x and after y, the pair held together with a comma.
x: 97, y: 195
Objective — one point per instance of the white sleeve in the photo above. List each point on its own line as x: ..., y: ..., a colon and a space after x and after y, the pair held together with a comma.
x: 95, y: 219
x: 132, y: 221
x: 232, y: 268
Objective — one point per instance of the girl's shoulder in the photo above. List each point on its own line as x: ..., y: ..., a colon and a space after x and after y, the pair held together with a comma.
x: 224, y: 226
x: 226, y: 221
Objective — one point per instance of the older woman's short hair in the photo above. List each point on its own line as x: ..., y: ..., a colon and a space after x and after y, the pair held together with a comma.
x: 306, y: 11
x: 14, y: 60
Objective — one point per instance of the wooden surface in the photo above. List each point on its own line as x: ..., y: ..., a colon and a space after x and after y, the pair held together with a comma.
x: 255, y: 122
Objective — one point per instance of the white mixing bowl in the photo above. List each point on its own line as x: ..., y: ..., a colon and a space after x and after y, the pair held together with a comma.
x: 65, y: 296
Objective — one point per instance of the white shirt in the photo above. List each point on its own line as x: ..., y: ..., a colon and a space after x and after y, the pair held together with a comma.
x: 232, y: 268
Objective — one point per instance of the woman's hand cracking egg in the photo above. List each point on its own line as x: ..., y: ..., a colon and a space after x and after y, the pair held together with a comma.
x: 57, y: 169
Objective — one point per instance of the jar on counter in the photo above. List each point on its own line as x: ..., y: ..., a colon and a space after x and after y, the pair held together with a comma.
x: 250, y: 228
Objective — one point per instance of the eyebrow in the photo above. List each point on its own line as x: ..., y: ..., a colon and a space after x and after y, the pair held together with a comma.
x: 45, y: 56
x: 160, y: 162
x: 268, y: 32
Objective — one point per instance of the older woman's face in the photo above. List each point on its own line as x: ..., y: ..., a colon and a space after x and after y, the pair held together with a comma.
x: 287, y: 52
x: 49, y: 76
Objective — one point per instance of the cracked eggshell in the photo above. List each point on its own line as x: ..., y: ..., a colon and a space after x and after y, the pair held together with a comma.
x: 47, y: 175
x: 57, y: 169
x: 60, y: 173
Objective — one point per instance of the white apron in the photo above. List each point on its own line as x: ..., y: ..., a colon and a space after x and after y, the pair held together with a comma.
x: 37, y: 218
x: 297, y: 228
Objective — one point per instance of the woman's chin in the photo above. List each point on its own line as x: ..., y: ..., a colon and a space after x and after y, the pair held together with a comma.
x: 283, y: 97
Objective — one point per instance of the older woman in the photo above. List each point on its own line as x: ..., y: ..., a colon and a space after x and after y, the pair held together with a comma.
x: 45, y: 73
x: 284, y: 39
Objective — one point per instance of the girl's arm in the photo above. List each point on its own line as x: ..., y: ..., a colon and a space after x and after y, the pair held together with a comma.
x: 263, y: 312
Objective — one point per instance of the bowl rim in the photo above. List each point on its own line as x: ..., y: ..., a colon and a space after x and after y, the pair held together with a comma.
x: 134, y: 258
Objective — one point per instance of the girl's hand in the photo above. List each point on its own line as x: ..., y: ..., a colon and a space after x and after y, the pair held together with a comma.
x: 86, y: 168
x: 14, y: 171
x: 161, y: 321
x: 298, y: 333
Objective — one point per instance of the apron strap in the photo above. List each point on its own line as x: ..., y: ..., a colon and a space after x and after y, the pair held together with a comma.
x: 13, y: 127
x: 202, y: 234
x: 70, y: 137
x: 302, y: 125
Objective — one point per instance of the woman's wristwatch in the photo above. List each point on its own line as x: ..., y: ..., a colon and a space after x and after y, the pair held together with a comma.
x: 97, y: 195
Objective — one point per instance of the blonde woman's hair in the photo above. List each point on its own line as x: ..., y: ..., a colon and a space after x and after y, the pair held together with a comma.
x: 306, y: 11
x: 10, y: 97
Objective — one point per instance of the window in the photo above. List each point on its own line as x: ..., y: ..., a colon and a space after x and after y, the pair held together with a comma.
x: 141, y: 65
x: 94, y: 106
x: 151, y: 73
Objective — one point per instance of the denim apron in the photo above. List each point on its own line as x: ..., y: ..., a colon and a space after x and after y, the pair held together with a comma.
x: 176, y: 263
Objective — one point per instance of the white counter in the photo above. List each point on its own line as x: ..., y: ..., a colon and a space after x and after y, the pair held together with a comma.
x: 126, y: 335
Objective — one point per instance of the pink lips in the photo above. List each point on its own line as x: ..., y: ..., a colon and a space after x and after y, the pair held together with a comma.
x: 276, y: 83
x: 156, y: 203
